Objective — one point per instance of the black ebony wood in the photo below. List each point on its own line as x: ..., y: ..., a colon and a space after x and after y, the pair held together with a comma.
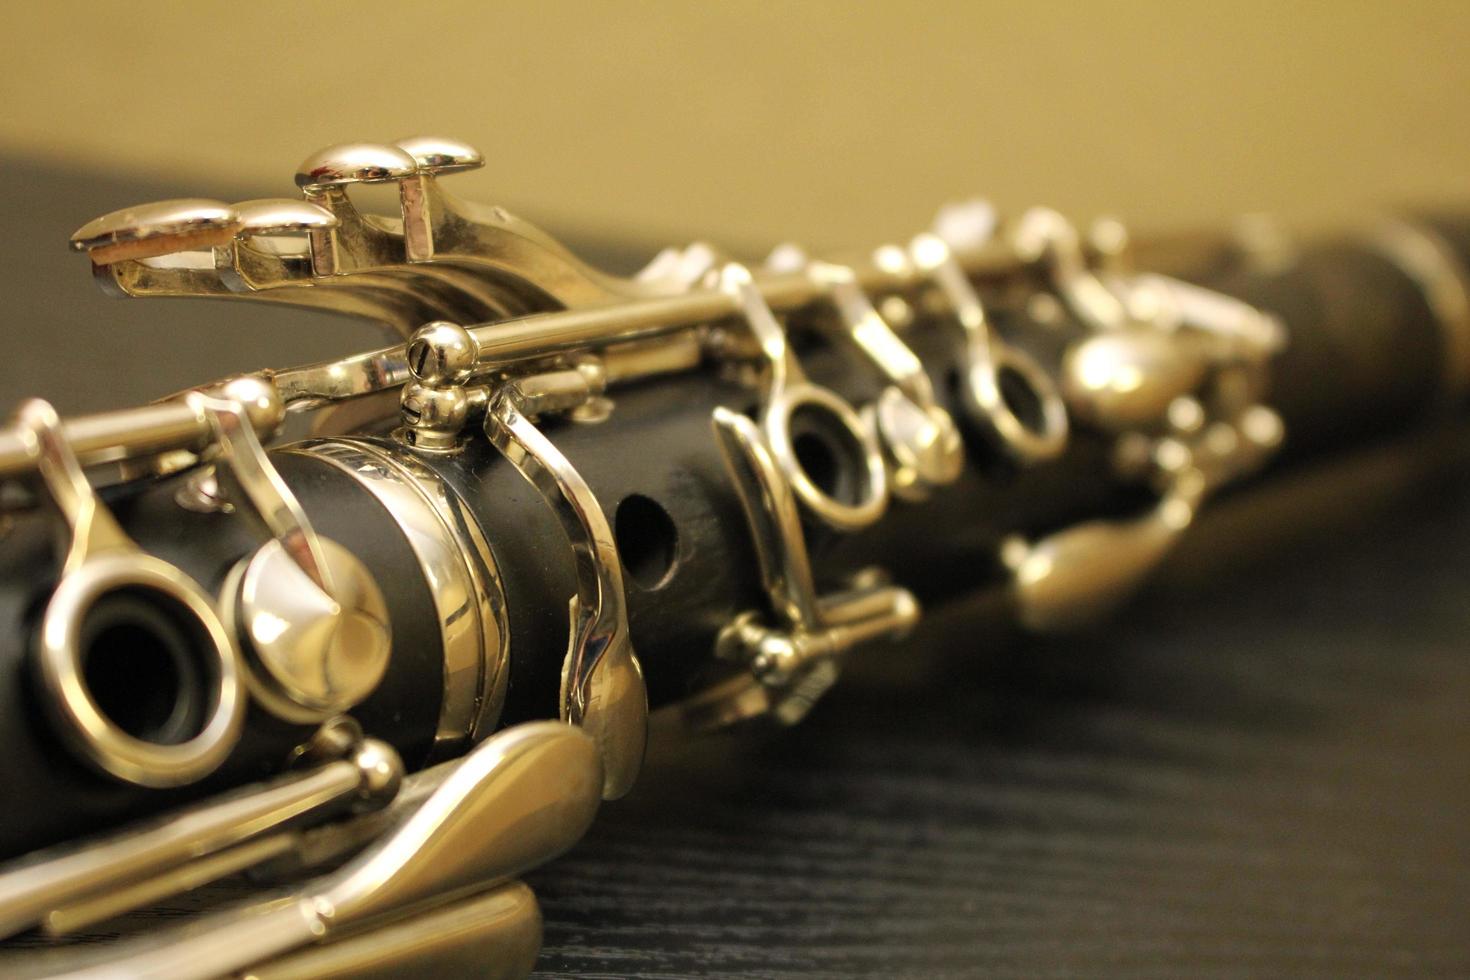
x: 1266, y: 777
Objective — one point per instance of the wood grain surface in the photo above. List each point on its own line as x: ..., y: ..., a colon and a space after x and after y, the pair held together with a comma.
x: 1267, y: 778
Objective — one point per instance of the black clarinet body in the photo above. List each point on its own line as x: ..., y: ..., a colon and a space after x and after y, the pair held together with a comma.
x: 1369, y: 356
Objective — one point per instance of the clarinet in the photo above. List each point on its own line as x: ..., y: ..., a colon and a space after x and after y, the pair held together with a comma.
x: 390, y: 628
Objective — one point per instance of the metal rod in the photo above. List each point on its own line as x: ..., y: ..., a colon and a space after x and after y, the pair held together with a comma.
x: 101, y: 906
x: 28, y: 892
x: 531, y: 337
x: 541, y: 334
x: 111, y: 436
x: 139, y: 432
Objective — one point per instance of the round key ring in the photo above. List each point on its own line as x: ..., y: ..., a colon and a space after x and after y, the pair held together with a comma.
x: 797, y: 414
x: 919, y: 438
x: 101, y: 564
x: 1006, y: 392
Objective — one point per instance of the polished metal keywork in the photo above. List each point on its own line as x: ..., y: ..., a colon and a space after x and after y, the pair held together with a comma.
x: 522, y: 797
x: 438, y: 258
x: 356, y: 244
x: 1175, y: 374
x: 1079, y: 574
x: 602, y: 682
x: 490, y: 258
x: 1052, y: 244
x: 1007, y: 394
x: 467, y: 593
x: 255, y: 249
x: 306, y: 611
x: 1126, y: 379
x: 503, y: 342
x: 601, y: 312
x: 100, y: 568
x: 160, y: 228
x: 919, y: 439
x: 75, y: 887
x: 794, y: 409
x: 602, y: 686
x: 793, y: 655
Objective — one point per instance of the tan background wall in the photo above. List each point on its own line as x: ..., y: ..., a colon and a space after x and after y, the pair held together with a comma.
x: 829, y: 122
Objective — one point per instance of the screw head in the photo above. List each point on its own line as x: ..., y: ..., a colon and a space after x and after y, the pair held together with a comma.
x: 442, y: 353
x: 434, y: 414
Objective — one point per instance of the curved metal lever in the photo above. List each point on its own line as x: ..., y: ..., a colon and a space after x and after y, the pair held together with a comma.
x: 919, y: 438
x: 791, y: 399
x: 100, y: 560
x: 359, y: 243
x: 160, y: 859
x: 794, y: 663
x: 1007, y: 393
x: 1047, y: 239
x: 520, y: 798
x: 307, y: 612
x: 1080, y: 574
x: 507, y: 265
x: 247, y: 476
x: 775, y: 526
x: 1071, y: 578
x: 209, y: 249
x: 602, y: 686
x: 88, y: 528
